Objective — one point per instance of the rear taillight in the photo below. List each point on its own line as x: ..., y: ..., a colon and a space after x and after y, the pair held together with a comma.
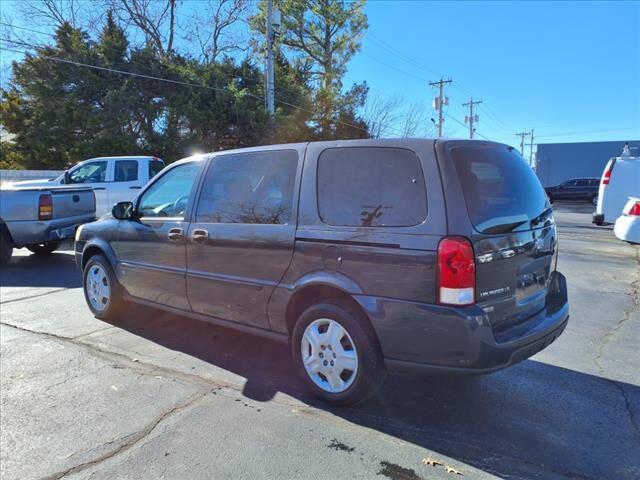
x: 607, y: 177
x: 45, y: 207
x: 456, y: 271
x: 635, y: 210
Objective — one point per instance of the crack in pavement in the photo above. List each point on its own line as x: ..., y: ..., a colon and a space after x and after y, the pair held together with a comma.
x: 626, y: 315
x: 132, y: 440
x: 29, y: 297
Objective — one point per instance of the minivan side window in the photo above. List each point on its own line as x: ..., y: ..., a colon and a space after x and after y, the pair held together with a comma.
x: 371, y: 187
x: 169, y: 195
x: 126, y: 171
x: 254, y: 187
x: 92, y: 172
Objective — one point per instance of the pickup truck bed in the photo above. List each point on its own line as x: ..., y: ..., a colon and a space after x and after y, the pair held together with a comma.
x: 40, y: 217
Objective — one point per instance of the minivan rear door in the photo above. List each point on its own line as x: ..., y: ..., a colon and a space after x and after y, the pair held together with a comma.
x: 508, y: 219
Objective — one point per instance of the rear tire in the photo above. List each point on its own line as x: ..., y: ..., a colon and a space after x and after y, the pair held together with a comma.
x: 102, y: 292
x: 359, y: 367
x: 6, y: 247
x: 43, y: 248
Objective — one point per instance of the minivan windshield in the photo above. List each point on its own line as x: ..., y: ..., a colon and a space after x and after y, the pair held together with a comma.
x: 501, y: 191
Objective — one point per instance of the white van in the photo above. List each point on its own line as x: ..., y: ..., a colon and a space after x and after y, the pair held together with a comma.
x: 620, y: 180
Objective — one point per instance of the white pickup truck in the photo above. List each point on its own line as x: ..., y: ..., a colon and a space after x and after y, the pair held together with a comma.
x: 113, y: 179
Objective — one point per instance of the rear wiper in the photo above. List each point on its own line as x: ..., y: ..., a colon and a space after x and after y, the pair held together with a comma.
x: 504, y: 227
x: 543, y: 216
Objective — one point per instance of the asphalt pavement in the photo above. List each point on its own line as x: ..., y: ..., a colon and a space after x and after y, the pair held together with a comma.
x: 161, y: 396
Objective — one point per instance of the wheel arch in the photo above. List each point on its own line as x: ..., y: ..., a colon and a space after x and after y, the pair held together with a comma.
x: 5, y: 229
x: 96, y: 248
x: 314, y: 293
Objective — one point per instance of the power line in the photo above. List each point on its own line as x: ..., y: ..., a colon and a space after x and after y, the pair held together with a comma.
x: 401, y: 55
x: 177, y: 82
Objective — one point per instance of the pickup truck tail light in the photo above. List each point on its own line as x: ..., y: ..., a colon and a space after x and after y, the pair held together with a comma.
x: 45, y: 207
x: 456, y: 272
x: 634, y: 211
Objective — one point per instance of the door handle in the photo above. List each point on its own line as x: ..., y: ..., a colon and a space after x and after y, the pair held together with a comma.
x: 199, y: 235
x: 135, y: 188
x: 175, y: 234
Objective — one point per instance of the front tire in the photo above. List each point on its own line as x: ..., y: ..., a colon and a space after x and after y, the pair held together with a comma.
x: 336, y: 353
x: 102, y: 291
x: 43, y: 248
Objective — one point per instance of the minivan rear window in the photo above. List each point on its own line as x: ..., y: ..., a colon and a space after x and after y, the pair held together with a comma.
x: 371, y: 187
x: 501, y: 191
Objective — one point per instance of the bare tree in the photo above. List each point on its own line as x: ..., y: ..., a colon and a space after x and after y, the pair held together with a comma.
x: 415, y: 121
x: 54, y: 13
x: 381, y: 114
x: 156, y: 20
x: 218, y: 28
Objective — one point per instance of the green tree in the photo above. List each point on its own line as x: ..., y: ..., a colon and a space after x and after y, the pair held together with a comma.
x: 322, y: 36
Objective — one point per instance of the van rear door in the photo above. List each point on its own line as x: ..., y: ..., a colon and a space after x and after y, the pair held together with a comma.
x: 510, y: 225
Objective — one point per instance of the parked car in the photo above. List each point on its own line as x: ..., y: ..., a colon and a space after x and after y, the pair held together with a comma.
x: 40, y: 218
x: 620, y: 180
x: 434, y: 256
x: 575, y: 189
x: 113, y: 179
x: 627, y: 226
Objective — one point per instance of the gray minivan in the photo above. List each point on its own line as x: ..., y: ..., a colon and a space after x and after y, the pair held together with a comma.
x: 436, y: 256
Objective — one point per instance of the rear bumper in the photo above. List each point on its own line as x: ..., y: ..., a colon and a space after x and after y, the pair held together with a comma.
x: 38, y: 231
x: 446, y: 340
x: 627, y: 228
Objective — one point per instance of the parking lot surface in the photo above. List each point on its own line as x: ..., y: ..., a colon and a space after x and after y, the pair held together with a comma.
x: 160, y: 396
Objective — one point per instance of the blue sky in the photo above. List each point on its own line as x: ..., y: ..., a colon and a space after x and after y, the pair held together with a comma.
x: 556, y: 67
x: 571, y: 70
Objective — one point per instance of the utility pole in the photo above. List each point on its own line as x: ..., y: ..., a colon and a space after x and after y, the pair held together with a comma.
x: 270, y: 80
x: 471, y: 119
x: 440, y: 101
x: 531, y: 148
x: 522, y: 135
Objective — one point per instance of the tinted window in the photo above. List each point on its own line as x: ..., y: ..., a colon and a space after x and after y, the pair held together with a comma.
x: 126, y: 171
x: 594, y: 182
x: 169, y: 195
x: 569, y: 183
x: 583, y: 183
x: 371, y: 187
x: 500, y: 190
x: 154, y: 168
x: 94, y: 172
x: 249, y: 188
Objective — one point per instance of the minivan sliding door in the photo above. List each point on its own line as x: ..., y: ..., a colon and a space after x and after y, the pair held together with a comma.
x: 241, y: 241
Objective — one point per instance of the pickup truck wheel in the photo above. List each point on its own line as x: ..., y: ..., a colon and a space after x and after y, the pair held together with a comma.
x: 6, y: 248
x: 102, y: 291
x: 336, y: 354
x: 43, y: 248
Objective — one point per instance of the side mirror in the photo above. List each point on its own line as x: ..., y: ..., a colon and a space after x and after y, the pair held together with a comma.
x: 122, y: 211
x: 67, y: 177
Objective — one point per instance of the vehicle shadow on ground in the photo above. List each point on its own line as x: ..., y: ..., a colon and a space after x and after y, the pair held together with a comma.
x: 57, y: 269
x: 533, y: 420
